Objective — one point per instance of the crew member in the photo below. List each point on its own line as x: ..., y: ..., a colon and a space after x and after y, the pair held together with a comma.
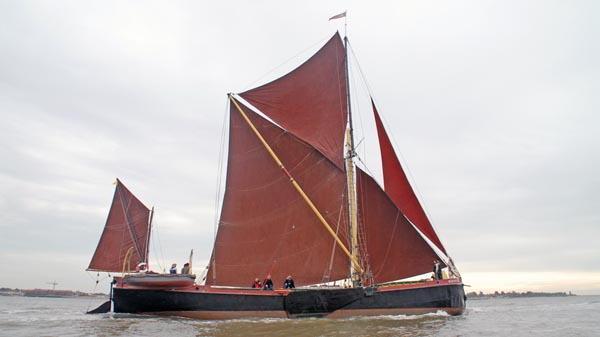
x: 437, y: 270
x: 268, y: 283
x: 289, y: 283
x: 257, y: 284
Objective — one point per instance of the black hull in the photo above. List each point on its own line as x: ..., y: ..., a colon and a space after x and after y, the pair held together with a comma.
x: 215, y: 303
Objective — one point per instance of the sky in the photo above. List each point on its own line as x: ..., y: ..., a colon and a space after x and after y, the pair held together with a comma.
x: 493, y: 106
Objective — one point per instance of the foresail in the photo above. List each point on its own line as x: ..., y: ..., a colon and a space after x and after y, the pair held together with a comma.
x: 395, y: 249
x: 398, y: 187
x: 265, y: 225
x: 310, y: 102
x: 126, y: 230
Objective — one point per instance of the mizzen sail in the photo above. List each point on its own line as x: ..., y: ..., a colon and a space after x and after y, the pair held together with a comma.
x: 125, y: 234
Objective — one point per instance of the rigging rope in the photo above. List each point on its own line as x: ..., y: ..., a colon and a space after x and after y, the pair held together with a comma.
x: 318, y: 43
x: 158, y: 246
x: 98, y: 280
x: 218, y: 193
x: 328, y: 271
x: 396, y: 148
x: 220, y: 169
x: 404, y: 166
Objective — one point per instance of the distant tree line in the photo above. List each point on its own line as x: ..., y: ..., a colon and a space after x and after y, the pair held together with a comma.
x: 67, y: 293
x: 496, y: 294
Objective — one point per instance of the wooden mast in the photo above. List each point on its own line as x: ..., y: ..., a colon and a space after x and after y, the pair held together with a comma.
x: 350, y: 154
x: 146, y: 258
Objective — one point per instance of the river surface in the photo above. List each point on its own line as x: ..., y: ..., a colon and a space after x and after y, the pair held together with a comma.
x: 544, y: 316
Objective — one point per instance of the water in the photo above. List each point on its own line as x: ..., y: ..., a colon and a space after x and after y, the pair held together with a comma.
x: 549, y: 316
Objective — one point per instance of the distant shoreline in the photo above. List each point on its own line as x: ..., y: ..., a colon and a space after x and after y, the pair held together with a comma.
x: 513, y: 294
x: 50, y: 293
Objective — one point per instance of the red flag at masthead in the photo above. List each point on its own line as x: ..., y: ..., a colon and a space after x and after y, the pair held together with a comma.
x: 341, y: 15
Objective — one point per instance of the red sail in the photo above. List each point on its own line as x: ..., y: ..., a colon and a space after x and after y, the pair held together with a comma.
x: 310, y: 102
x: 398, y: 188
x: 395, y: 249
x: 126, y: 227
x: 265, y: 226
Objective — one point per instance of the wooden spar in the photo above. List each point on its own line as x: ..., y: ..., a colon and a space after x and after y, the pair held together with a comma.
x: 146, y: 259
x: 190, y: 262
x: 295, y: 184
x: 352, y: 203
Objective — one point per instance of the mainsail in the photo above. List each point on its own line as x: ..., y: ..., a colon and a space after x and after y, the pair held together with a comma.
x: 124, y: 241
x: 266, y: 227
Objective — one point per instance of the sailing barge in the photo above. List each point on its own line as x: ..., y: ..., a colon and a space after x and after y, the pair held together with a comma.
x: 296, y: 204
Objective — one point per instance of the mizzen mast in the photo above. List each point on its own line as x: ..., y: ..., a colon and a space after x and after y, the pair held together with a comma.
x: 146, y: 258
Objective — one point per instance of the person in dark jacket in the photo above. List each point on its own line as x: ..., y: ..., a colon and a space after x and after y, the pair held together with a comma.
x: 437, y: 270
x: 289, y: 283
x: 268, y: 283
